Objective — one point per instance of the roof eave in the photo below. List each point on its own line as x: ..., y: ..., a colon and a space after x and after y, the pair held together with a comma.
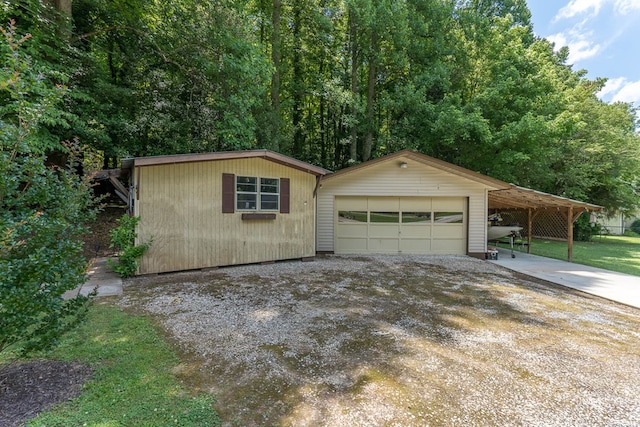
x: 226, y: 155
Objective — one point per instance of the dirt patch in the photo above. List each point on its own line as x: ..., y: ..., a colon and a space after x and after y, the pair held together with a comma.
x: 405, y: 340
x: 97, y: 240
x: 26, y: 389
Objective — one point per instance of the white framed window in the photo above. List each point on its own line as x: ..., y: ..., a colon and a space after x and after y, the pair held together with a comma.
x: 257, y: 194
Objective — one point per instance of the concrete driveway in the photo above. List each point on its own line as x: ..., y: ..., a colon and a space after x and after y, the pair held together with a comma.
x: 619, y: 287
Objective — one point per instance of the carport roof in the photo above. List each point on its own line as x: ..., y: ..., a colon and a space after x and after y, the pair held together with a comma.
x: 516, y: 197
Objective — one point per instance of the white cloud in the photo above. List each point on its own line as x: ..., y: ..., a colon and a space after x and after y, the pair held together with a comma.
x: 626, y: 6
x: 629, y: 92
x: 612, y: 86
x: 580, y: 47
x: 577, y: 7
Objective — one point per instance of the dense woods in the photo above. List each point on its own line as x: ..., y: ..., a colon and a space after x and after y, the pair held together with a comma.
x: 333, y: 82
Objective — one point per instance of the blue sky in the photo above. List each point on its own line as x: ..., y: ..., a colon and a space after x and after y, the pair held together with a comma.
x: 603, y: 37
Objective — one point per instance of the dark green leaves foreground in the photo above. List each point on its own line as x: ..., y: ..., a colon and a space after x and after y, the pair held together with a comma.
x: 42, y: 208
x: 132, y: 384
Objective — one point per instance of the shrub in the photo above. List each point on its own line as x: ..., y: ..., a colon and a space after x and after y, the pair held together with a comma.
x: 42, y: 209
x: 583, y: 230
x: 123, y: 238
x: 635, y: 226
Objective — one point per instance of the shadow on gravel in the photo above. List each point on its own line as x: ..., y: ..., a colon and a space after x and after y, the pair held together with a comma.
x: 398, y: 340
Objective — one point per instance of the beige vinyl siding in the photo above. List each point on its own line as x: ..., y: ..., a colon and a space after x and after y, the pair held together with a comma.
x: 180, y: 206
x: 477, y: 238
x: 388, y: 179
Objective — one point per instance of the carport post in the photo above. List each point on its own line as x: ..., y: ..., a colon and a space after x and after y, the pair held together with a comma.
x: 570, y: 234
x: 529, y: 230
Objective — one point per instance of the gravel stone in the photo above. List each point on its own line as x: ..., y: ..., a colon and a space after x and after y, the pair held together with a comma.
x: 398, y: 341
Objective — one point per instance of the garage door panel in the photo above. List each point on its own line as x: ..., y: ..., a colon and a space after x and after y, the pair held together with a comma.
x: 384, y: 204
x: 352, y: 230
x: 352, y: 245
x: 384, y: 230
x: 410, y: 231
x: 448, y: 232
x: 448, y: 204
x: 384, y: 245
x: 418, y: 204
x: 415, y: 246
x: 351, y: 204
x: 448, y: 246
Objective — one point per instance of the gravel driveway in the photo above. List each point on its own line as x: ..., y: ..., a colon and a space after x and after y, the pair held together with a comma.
x: 397, y: 341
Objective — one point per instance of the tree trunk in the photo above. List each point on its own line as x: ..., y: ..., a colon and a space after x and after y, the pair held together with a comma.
x: 276, y: 55
x: 63, y: 6
x: 296, y: 115
x: 353, y: 34
x: 371, y: 86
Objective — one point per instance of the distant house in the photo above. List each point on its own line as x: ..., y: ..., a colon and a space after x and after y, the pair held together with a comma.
x: 408, y: 203
x: 616, y: 223
x: 226, y: 208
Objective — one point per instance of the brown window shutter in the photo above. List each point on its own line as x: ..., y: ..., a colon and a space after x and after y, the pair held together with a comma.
x: 228, y: 192
x: 284, y: 195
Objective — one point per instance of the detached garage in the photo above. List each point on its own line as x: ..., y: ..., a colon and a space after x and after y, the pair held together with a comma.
x: 406, y: 202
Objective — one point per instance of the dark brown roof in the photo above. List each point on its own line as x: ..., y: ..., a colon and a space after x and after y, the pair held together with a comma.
x: 225, y: 155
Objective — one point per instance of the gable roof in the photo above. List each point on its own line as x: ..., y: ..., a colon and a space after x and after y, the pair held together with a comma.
x: 492, y: 183
x: 225, y: 155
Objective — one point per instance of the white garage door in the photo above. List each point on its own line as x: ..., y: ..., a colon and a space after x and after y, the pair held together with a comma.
x: 387, y: 225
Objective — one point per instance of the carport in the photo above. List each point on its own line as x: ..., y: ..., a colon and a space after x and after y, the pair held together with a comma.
x: 542, y: 215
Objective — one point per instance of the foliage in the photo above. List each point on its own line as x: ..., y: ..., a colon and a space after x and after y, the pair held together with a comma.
x: 337, y: 82
x: 635, y: 226
x: 134, y: 368
x: 123, y: 238
x: 43, y: 208
x: 584, y: 230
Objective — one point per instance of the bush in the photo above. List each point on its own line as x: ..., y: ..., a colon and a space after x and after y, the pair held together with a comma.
x: 583, y: 230
x: 42, y: 209
x: 123, y: 238
x: 635, y: 226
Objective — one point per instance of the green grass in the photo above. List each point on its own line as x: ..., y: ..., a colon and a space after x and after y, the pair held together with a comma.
x: 132, y: 383
x: 616, y: 253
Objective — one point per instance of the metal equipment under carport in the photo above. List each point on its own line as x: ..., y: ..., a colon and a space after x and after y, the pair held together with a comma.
x: 545, y: 215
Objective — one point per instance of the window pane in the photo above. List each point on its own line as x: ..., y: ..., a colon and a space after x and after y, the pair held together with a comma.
x: 246, y: 183
x: 269, y: 202
x: 408, y: 217
x: 269, y: 185
x: 352, y: 216
x: 393, y: 217
x: 246, y: 201
x: 448, y: 217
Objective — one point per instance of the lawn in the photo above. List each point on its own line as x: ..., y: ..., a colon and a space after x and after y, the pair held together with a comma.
x: 132, y: 383
x: 615, y: 253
